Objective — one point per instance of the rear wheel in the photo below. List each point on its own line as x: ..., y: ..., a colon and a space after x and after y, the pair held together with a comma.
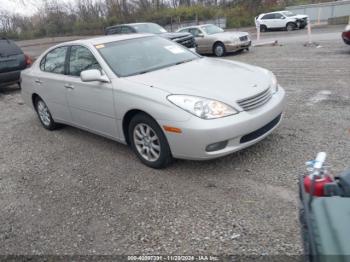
x: 44, y: 114
x: 263, y: 28
x: 149, y: 142
x: 219, y: 49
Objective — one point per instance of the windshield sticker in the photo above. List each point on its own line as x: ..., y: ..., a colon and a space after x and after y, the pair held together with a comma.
x: 175, y: 49
x: 99, y: 46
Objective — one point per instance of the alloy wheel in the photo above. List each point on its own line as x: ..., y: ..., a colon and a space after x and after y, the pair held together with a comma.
x: 147, y: 142
x: 44, y: 113
x: 219, y: 50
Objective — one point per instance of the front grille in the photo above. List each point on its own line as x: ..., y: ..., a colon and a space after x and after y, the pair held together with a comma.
x: 243, y: 38
x: 187, y: 41
x: 256, y: 101
x: 261, y: 131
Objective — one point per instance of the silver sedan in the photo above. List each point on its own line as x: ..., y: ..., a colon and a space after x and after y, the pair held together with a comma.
x: 160, y: 98
x: 211, y: 39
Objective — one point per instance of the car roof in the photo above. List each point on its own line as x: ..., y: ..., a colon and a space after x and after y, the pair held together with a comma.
x: 106, y: 39
x: 275, y: 12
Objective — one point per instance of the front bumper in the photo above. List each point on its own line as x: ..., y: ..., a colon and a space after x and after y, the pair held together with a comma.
x: 230, y: 47
x: 240, y: 131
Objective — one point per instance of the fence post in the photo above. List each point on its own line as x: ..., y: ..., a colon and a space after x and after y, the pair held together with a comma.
x: 309, y: 30
x: 319, y: 16
x: 257, y: 24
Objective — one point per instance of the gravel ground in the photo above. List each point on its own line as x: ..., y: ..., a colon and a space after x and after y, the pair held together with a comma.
x: 72, y: 192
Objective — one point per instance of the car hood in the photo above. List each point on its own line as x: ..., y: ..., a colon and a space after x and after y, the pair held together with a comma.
x: 300, y: 16
x: 223, y: 80
x: 172, y: 36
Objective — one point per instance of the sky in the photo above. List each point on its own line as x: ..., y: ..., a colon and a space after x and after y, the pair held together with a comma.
x: 23, y: 7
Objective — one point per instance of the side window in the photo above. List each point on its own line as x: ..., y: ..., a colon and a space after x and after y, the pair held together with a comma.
x: 184, y: 30
x: 195, y: 32
x: 278, y: 16
x: 126, y: 30
x: 268, y: 16
x: 114, y: 30
x: 81, y: 59
x: 54, y: 61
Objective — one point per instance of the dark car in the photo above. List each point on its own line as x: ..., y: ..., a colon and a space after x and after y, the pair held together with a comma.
x: 185, y: 39
x: 12, y: 62
x: 346, y: 35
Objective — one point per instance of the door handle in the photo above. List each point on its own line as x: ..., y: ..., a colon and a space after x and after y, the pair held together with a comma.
x: 69, y: 86
x: 38, y: 81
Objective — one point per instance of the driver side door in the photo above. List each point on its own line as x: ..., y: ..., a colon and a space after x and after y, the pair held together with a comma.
x: 91, y: 103
x: 202, y: 42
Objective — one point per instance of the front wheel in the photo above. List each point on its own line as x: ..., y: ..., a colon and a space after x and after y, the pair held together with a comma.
x: 44, y: 114
x: 219, y: 49
x: 290, y: 26
x: 149, y: 142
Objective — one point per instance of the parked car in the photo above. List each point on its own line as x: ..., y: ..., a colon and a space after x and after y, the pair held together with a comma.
x: 211, y: 39
x: 155, y: 95
x: 346, y: 35
x: 184, y: 39
x: 12, y: 62
x: 281, y: 20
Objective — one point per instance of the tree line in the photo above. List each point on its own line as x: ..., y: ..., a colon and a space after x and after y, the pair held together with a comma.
x: 89, y: 17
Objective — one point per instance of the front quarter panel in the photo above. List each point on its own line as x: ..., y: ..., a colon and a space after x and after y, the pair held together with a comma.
x: 151, y: 100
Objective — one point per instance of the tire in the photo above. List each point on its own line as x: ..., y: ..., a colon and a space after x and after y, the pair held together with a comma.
x: 263, y: 28
x: 149, y: 142
x: 290, y: 27
x: 44, y: 114
x: 219, y: 49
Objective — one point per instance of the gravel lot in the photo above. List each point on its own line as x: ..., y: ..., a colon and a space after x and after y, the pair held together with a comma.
x: 72, y: 192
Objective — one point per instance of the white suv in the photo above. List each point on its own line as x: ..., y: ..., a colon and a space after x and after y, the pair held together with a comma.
x: 281, y: 20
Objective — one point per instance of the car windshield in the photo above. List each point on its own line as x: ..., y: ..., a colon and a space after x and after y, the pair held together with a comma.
x: 142, y: 55
x: 289, y: 14
x: 211, y: 29
x: 149, y: 28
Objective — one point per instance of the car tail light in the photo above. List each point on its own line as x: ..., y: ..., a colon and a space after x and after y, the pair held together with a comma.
x: 29, y: 60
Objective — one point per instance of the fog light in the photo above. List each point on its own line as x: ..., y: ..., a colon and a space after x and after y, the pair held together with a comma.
x: 216, y: 146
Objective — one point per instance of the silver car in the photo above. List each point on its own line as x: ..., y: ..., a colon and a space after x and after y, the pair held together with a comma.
x: 211, y: 39
x: 155, y: 95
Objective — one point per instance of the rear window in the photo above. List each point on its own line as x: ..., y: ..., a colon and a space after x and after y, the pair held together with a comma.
x: 9, y: 48
x: 113, y: 30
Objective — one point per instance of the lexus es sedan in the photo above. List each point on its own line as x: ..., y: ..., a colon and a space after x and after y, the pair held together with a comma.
x: 155, y: 95
x: 211, y: 39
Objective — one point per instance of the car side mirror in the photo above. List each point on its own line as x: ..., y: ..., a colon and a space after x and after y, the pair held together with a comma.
x: 283, y: 17
x: 200, y: 35
x: 93, y: 75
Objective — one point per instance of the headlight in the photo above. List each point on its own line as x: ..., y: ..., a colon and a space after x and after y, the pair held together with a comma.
x: 274, y: 83
x: 202, y: 107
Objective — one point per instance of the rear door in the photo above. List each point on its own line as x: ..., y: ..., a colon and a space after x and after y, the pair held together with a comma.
x: 49, y: 83
x: 268, y: 20
x: 91, y: 103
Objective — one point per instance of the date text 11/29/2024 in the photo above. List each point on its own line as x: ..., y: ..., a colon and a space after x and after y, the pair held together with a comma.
x: 173, y: 258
